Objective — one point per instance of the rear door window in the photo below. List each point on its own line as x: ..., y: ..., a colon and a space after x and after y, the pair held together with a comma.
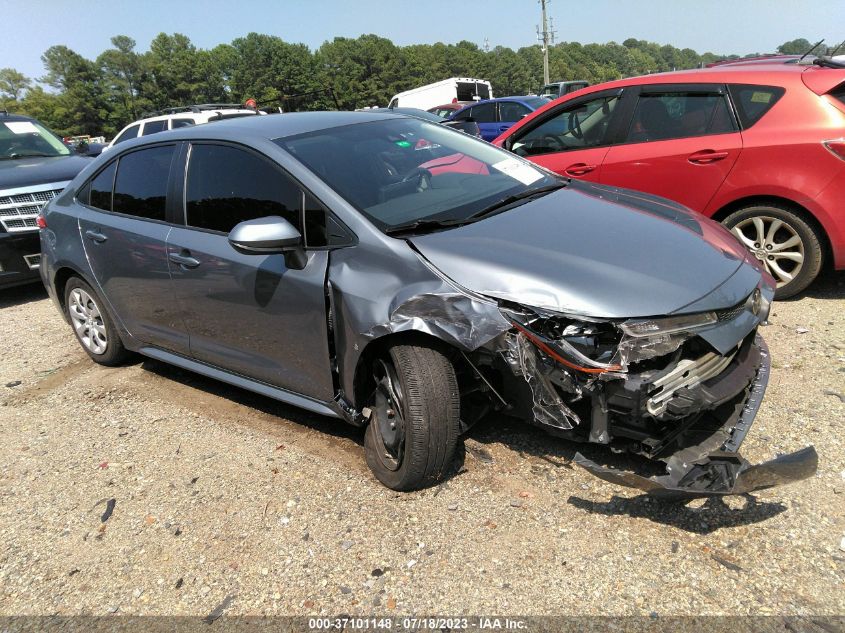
x: 484, y: 113
x: 752, y: 102
x: 153, y: 127
x: 512, y: 111
x: 140, y: 188
x: 227, y: 186
x: 177, y: 123
x: 664, y: 115
x: 129, y: 133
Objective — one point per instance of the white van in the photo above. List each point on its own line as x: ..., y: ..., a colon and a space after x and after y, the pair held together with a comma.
x: 446, y: 91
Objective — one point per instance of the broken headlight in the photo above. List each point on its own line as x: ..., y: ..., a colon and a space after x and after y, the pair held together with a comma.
x: 595, y: 347
x: 586, y: 346
x: 652, y: 338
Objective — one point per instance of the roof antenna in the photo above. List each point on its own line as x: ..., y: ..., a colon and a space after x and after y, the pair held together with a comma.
x: 811, y: 50
x: 836, y: 50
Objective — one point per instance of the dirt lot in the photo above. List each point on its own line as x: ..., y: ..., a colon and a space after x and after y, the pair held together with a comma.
x: 219, y: 493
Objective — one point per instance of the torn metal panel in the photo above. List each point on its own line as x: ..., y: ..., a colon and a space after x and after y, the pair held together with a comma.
x: 393, y: 290
x: 450, y: 316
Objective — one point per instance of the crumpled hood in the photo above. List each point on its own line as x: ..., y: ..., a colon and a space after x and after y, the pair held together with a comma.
x: 24, y: 172
x: 597, y: 251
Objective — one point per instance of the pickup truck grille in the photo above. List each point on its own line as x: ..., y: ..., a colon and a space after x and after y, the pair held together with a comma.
x: 19, y: 207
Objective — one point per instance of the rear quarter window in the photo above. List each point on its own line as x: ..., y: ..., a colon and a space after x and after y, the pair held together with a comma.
x: 753, y: 102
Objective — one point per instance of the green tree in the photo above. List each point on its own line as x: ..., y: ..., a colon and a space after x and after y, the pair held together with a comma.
x: 795, y: 47
x: 13, y: 84
x: 81, y: 106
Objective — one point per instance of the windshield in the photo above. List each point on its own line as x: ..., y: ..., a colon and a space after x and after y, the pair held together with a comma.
x: 19, y: 139
x: 402, y: 170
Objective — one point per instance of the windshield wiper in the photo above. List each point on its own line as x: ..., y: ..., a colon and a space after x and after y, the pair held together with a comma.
x: 496, y: 207
x: 32, y: 155
x: 422, y: 225
x: 505, y: 203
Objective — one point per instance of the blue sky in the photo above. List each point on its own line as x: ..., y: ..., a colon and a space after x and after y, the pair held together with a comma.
x: 721, y: 26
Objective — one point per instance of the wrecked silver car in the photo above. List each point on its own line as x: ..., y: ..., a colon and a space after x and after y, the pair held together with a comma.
x: 411, y: 279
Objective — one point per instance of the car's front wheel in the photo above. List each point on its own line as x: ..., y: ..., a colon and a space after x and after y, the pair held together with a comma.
x: 92, y: 325
x: 415, y: 417
x: 784, y: 242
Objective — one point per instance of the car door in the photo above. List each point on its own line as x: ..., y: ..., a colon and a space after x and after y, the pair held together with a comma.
x: 573, y: 138
x: 124, y: 231
x: 681, y: 144
x: 249, y: 314
x: 509, y: 113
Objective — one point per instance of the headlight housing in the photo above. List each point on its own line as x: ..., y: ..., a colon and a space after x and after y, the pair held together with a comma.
x: 595, y: 346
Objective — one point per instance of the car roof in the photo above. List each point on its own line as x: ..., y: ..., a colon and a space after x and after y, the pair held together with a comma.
x: 760, y: 73
x: 270, y: 127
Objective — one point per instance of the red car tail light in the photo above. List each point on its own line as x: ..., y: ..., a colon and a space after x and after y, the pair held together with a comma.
x: 836, y: 147
x: 41, y: 221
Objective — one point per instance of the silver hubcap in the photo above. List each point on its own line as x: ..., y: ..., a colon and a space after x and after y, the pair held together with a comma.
x: 775, y: 243
x: 87, y: 321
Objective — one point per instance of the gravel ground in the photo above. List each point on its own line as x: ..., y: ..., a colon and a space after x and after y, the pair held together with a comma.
x: 221, y: 495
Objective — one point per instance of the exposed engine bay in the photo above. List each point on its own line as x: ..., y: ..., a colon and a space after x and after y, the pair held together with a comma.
x: 655, y: 388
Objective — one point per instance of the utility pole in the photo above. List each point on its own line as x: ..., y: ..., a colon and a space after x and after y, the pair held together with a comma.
x: 545, y: 37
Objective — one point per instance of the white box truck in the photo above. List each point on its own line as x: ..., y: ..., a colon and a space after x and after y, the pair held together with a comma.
x: 446, y: 91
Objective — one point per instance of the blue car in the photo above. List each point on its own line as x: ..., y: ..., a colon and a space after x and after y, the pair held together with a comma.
x: 494, y: 116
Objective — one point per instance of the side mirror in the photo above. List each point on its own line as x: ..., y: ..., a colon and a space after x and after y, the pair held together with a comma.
x: 269, y: 236
x: 81, y: 147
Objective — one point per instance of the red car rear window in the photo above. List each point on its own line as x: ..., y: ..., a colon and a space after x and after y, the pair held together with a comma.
x: 752, y: 102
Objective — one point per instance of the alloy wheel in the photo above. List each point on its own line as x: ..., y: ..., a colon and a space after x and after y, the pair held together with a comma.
x: 775, y: 244
x: 87, y: 321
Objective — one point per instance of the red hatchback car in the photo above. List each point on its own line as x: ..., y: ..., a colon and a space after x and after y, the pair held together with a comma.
x: 760, y: 148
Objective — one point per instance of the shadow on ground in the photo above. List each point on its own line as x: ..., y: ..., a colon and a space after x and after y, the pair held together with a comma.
x: 711, y: 516
x: 830, y: 284
x: 22, y: 294
x: 528, y: 441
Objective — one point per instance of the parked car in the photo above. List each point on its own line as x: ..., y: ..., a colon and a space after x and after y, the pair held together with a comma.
x: 454, y: 88
x: 35, y: 165
x: 448, y: 109
x: 175, y: 118
x: 495, y: 116
x: 393, y: 273
x: 560, y: 88
x: 757, y: 146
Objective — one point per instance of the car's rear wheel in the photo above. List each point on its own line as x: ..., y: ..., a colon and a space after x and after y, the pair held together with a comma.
x: 415, y: 417
x: 92, y: 324
x: 784, y: 242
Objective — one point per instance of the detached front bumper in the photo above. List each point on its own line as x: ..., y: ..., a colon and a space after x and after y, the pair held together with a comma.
x: 713, y: 467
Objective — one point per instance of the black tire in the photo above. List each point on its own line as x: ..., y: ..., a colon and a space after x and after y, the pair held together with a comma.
x: 810, y: 244
x: 430, y: 409
x: 113, y: 352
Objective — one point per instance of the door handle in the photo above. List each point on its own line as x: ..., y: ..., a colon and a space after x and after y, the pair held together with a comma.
x: 184, y: 259
x: 579, y: 169
x: 706, y: 156
x: 95, y: 236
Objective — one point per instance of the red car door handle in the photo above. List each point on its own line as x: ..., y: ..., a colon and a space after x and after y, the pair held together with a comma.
x: 579, y: 169
x: 706, y: 156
